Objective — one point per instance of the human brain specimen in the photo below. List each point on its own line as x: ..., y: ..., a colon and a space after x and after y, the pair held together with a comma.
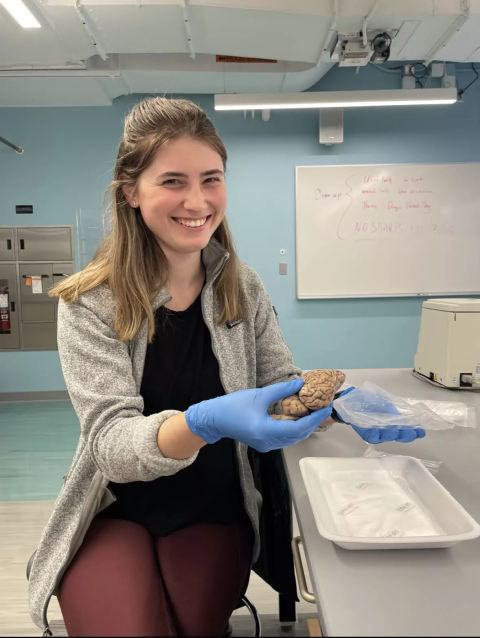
x: 317, y: 392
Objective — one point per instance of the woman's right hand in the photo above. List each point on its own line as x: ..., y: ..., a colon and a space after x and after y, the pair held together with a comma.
x: 243, y: 416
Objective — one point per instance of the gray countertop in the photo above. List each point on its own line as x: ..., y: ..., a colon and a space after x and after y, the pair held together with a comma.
x: 433, y: 592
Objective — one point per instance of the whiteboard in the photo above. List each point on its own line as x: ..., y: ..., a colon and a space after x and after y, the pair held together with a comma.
x: 387, y: 230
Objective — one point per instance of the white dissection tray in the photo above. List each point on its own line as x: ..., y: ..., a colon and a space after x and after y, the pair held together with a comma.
x: 392, y: 502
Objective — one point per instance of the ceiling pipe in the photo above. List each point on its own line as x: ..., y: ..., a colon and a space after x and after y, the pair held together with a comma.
x: 367, y: 20
x: 330, y: 33
x: 186, y: 24
x: 44, y: 73
x: 43, y: 67
x: 85, y: 22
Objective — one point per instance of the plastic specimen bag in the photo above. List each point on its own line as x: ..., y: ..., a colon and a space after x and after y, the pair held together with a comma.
x: 370, y: 406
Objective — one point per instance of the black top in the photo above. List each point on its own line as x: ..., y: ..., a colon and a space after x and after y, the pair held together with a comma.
x: 180, y: 370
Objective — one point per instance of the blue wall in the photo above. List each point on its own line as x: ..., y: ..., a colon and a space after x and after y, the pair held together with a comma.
x: 69, y: 154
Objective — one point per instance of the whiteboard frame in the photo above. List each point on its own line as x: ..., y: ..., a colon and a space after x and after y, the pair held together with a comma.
x: 411, y: 295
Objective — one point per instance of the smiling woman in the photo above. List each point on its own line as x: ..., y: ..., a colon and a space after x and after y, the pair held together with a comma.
x: 167, y: 345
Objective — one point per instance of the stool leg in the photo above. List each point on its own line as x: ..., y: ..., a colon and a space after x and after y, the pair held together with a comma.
x: 286, y: 610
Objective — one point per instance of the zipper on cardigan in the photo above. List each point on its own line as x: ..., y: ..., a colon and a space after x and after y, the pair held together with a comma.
x: 222, y: 382
x: 210, y: 283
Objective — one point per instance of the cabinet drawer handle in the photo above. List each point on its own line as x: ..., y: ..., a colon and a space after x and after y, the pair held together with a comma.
x: 22, y: 244
x: 302, y: 582
x: 9, y: 244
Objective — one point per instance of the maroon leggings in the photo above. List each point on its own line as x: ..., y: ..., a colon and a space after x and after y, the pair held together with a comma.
x: 124, y: 582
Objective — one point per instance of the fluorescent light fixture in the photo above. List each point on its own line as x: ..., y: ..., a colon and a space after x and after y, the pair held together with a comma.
x: 333, y: 99
x: 23, y: 15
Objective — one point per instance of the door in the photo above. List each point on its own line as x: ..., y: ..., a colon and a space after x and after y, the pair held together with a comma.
x: 35, y: 280
x: 9, y: 322
x: 44, y: 244
x: 7, y: 245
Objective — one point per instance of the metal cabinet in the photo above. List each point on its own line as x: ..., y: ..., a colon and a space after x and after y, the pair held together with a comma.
x: 7, y: 244
x: 39, y: 258
x: 39, y: 336
x: 9, y: 322
x: 44, y: 243
x: 35, y: 280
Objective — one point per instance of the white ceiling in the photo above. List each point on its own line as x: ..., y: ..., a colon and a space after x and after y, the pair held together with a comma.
x: 109, y: 48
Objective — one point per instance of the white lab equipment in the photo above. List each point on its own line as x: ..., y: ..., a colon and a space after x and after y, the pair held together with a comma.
x: 448, y: 350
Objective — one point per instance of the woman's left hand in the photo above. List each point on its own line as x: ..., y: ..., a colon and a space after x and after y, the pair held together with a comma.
x: 384, y: 435
x: 373, y: 436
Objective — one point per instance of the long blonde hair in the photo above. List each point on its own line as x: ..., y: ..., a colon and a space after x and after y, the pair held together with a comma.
x: 129, y: 260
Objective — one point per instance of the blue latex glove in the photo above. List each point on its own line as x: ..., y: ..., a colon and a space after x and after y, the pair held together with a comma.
x: 243, y: 416
x: 384, y: 435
